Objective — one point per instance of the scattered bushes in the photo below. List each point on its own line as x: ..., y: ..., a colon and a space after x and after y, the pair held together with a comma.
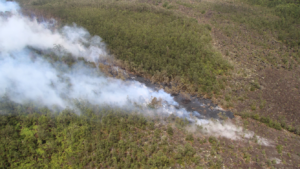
x: 189, y: 137
x: 279, y: 149
x: 271, y: 123
x: 254, y: 85
x: 274, y: 124
x: 212, y: 140
x: 202, y: 141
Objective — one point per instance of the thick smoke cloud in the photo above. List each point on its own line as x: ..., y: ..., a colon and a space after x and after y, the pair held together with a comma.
x: 28, y: 76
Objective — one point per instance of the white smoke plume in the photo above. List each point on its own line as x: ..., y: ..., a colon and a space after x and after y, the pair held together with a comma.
x: 18, y: 32
x: 230, y: 131
x: 26, y: 75
x: 8, y: 6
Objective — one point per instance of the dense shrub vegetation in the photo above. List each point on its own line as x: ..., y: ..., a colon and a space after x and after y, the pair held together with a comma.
x: 288, y: 25
x: 100, y: 137
x: 150, y: 41
x: 281, y: 20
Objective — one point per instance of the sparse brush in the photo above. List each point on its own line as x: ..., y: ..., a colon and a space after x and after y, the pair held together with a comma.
x: 165, y: 5
x: 155, y: 103
x: 189, y: 137
x: 256, y: 116
x: 185, y: 96
x: 212, y: 140
x: 279, y: 149
x: 247, y: 157
x: 170, y: 131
